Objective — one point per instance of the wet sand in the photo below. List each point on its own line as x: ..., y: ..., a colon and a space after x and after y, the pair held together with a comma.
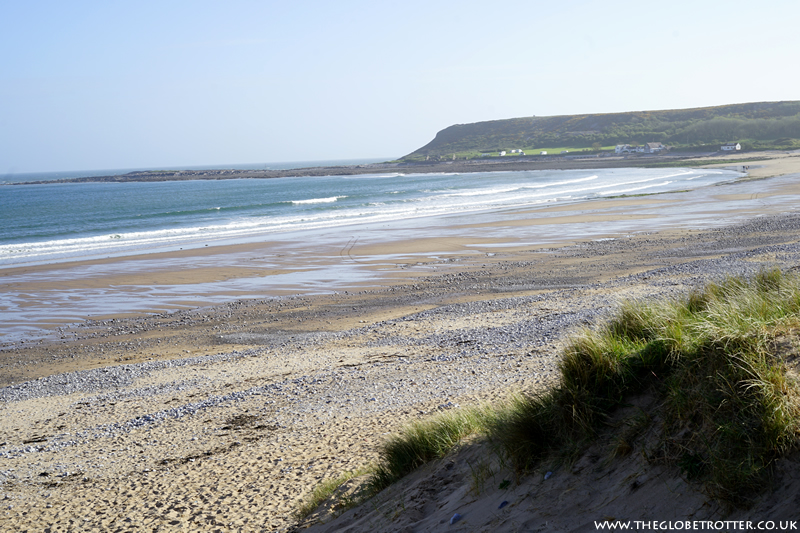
x: 221, y: 417
x: 35, y: 299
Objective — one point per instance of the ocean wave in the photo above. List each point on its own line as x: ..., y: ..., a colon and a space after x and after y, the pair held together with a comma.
x: 318, y: 200
x: 519, y: 187
x: 634, y: 189
x: 373, y: 176
x: 559, y: 183
x: 484, y: 192
x: 264, y: 209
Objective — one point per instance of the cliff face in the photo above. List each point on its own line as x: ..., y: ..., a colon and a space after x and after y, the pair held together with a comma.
x: 756, y: 121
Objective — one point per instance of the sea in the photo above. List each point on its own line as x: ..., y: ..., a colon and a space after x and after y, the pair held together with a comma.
x: 62, y: 222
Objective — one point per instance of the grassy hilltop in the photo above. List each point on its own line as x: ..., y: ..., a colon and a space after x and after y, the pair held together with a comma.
x: 761, y: 125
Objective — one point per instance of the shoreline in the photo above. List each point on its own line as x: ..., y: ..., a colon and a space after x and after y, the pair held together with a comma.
x: 37, y: 299
x: 572, y: 162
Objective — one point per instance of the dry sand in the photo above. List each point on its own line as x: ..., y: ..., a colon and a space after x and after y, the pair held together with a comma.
x: 221, y: 418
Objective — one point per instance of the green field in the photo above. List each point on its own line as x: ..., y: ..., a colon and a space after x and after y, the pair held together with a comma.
x: 757, y: 126
x: 474, y: 154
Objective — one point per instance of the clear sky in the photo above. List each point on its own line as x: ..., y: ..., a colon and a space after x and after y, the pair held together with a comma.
x: 103, y: 85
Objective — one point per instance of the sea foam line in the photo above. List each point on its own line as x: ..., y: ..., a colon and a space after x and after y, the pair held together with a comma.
x: 632, y: 189
x: 271, y: 224
x: 556, y: 184
x: 318, y: 200
x: 518, y: 187
x: 420, y: 206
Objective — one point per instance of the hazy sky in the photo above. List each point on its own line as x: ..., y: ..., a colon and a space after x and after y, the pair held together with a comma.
x: 101, y: 85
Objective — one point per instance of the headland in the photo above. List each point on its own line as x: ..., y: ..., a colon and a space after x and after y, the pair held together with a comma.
x: 516, y: 163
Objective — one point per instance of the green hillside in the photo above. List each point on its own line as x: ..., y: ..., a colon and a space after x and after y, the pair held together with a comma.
x: 761, y: 125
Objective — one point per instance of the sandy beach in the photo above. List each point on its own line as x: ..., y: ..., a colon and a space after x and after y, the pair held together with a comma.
x: 212, y: 389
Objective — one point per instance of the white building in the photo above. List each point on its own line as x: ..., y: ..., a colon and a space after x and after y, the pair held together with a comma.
x: 628, y: 149
x: 729, y: 147
x: 651, y: 148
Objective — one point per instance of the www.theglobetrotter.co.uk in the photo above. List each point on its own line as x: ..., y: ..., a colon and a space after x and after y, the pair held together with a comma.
x: 698, y: 525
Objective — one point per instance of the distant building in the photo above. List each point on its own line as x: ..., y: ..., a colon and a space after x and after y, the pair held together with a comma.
x: 651, y: 148
x: 564, y: 151
x: 730, y: 147
x: 543, y: 152
x: 629, y: 149
x: 502, y: 152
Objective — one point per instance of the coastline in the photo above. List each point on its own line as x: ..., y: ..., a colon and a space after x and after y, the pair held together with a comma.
x: 37, y: 299
x: 123, y: 421
x: 510, y: 164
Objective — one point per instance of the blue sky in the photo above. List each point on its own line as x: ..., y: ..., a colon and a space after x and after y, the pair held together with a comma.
x: 101, y: 85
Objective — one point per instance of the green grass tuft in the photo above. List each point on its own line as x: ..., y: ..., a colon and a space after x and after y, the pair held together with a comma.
x: 328, y: 489
x: 711, y: 356
x: 425, y: 440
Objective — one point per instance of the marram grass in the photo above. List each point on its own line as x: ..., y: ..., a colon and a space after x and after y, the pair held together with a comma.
x: 325, y: 491
x: 425, y: 440
x: 728, y: 408
x: 414, y: 445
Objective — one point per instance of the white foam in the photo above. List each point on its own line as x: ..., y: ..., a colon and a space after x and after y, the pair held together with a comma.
x: 634, y: 189
x: 558, y: 183
x: 453, y: 196
x: 318, y: 200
